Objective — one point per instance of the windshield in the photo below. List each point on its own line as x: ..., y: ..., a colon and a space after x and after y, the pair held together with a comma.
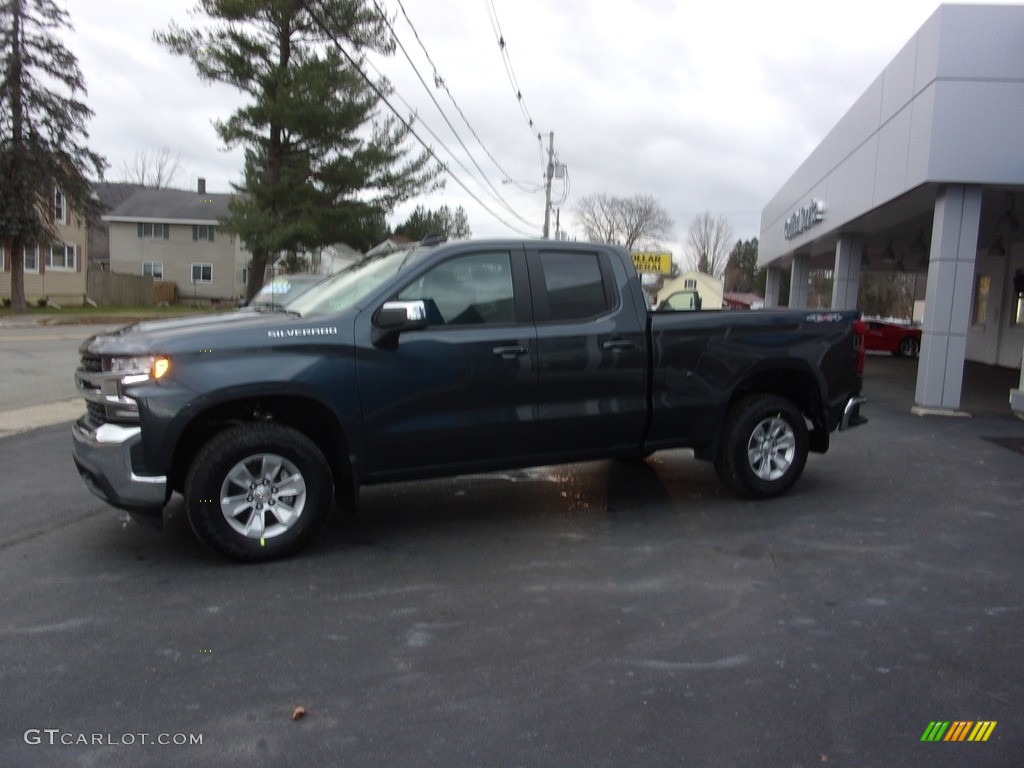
x: 349, y: 286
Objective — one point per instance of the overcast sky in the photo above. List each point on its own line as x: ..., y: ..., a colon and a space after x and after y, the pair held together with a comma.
x: 704, y: 105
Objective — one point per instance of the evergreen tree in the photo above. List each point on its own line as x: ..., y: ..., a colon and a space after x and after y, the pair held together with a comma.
x: 443, y: 221
x: 321, y: 162
x: 42, y: 130
x: 741, y: 273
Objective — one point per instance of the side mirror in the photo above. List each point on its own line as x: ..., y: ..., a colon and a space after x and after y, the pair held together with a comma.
x: 397, y: 317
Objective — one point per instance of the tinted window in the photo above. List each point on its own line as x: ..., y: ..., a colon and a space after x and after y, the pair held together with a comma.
x: 467, y: 290
x: 574, y: 286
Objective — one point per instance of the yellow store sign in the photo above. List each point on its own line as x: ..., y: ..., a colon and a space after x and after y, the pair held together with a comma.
x: 649, y: 261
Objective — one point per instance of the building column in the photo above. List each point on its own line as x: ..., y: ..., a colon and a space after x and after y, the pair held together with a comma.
x: 846, y: 274
x: 947, y: 314
x: 772, y: 287
x: 799, y: 279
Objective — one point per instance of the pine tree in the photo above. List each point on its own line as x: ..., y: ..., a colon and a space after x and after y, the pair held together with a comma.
x: 443, y: 221
x: 322, y: 164
x: 42, y: 130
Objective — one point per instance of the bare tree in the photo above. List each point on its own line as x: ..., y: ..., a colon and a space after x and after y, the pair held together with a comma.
x: 628, y: 221
x: 707, y: 244
x: 152, y: 167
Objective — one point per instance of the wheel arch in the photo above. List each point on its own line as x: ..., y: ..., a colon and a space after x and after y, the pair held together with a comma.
x: 307, y: 415
x: 794, y: 383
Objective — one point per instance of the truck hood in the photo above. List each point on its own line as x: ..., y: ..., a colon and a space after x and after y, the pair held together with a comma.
x: 231, y: 330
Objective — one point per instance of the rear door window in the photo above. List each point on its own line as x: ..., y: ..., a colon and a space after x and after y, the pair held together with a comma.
x: 575, y: 285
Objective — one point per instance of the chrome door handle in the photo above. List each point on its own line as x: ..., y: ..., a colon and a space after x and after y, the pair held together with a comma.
x: 619, y: 344
x: 510, y: 352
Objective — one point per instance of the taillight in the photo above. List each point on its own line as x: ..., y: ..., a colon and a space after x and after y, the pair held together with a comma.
x: 860, y: 329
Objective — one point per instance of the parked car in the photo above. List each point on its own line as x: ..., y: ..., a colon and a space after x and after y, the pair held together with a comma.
x: 282, y: 291
x: 901, y: 340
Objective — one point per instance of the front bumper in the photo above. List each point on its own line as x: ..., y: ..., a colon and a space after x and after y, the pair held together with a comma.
x: 103, y: 456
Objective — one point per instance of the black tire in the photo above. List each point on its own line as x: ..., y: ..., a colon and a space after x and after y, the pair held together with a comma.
x: 267, y: 520
x: 764, y: 449
x: 909, y: 347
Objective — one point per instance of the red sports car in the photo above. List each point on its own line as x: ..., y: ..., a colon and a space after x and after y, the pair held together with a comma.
x: 901, y: 340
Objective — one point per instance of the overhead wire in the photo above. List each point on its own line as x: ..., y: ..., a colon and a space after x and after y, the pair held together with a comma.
x: 497, y: 195
x: 509, y: 69
x: 315, y: 15
x: 440, y: 82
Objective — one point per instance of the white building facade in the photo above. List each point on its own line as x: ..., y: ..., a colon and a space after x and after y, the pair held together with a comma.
x: 925, y: 174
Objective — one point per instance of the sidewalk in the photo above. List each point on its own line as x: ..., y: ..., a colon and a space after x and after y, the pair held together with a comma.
x: 19, y: 420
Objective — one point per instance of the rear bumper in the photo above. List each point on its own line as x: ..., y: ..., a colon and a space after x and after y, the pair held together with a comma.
x: 103, y: 456
x: 851, y: 413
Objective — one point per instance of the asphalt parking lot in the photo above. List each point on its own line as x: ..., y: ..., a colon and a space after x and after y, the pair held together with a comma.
x: 598, y: 614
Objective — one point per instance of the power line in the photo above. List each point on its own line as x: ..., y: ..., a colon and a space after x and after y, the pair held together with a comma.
x: 509, y: 70
x: 497, y: 195
x: 408, y: 126
x: 441, y: 83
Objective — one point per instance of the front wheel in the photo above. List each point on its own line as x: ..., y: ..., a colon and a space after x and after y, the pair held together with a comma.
x: 765, y: 446
x: 258, y: 492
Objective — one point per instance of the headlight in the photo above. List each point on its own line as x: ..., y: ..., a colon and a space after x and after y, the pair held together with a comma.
x: 135, y: 370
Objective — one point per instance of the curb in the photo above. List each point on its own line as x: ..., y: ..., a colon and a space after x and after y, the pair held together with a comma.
x: 19, y: 420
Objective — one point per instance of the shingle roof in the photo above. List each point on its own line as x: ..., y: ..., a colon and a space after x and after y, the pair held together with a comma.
x: 169, y: 205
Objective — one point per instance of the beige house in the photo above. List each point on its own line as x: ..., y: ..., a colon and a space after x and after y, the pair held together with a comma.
x: 173, y: 234
x: 55, y: 271
x: 710, y: 289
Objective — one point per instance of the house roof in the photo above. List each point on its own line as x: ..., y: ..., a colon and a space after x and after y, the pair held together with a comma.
x: 113, y: 193
x: 167, y: 205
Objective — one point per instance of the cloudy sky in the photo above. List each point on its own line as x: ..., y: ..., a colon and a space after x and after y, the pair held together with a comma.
x: 704, y: 105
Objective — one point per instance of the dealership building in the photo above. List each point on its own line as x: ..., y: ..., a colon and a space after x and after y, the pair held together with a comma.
x: 924, y: 174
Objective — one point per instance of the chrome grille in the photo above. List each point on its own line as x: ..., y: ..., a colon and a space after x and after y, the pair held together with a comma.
x: 91, y: 363
x: 97, y: 412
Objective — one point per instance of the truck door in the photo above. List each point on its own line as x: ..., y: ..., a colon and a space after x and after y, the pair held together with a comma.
x: 463, y: 390
x: 591, y: 354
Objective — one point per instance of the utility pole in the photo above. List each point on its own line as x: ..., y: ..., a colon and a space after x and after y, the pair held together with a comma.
x: 547, y: 186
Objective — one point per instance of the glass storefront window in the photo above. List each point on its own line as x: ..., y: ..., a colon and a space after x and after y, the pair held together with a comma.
x: 981, y: 289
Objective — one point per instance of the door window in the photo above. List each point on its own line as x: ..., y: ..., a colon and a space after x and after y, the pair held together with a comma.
x: 467, y: 290
x: 574, y: 286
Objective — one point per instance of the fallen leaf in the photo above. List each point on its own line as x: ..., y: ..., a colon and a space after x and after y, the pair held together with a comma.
x: 298, y: 712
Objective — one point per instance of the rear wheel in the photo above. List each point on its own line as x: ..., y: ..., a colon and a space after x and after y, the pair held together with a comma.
x: 765, y: 447
x: 258, y: 492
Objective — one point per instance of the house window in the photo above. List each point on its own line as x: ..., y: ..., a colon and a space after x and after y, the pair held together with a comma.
x: 689, y: 284
x: 3, y: 261
x: 155, y: 231
x: 245, y: 275
x: 60, y: 207
x: 202, y: 273
x: 154, y: 269
x: 61, y: 257
x: 31, y: 258
x: 202, y: 232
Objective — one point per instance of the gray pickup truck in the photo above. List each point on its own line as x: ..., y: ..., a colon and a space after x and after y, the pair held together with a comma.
x: 465, y: 357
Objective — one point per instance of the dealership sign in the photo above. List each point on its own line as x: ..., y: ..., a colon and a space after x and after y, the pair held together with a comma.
x: 804, y: 219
